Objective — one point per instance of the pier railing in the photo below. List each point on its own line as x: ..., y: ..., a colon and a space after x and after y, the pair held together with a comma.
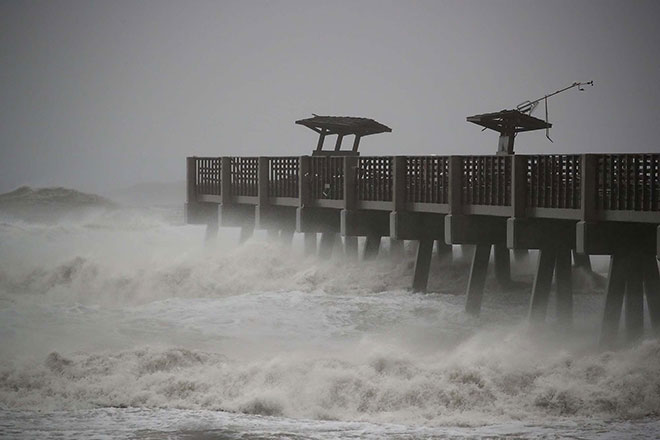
x: 616, y: 187
x: 374, y: 179
x: 486, y: 180
x: 553, y: 181
x: 326, y: 178
x: 427, y: 179
x: 283, y: 176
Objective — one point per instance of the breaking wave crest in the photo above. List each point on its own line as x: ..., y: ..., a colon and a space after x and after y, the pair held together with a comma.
x: 139, y: 270
x: 460, y: 387
x: 128, y: 308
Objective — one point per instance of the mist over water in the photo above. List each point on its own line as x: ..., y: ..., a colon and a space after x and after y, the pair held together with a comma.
x: 114, y: 312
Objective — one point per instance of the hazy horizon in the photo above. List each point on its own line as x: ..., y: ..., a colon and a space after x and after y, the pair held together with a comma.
x: 102, y: 95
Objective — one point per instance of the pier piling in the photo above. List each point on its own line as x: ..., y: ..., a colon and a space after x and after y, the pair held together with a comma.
x: 477, y: 280
x: 422, y: 265
x: 589, y: 204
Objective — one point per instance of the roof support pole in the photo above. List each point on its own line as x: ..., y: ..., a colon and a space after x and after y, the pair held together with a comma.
x: 356, y: 143
x: 319, y: 146
x: 340, y: 138
x: 505, y: 145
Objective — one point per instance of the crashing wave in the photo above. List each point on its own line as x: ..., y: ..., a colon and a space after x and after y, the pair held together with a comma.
x: 461, y: 387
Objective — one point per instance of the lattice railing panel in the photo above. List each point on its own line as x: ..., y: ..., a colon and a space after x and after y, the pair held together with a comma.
x: 486, y: 180
x: 326, y: 178
x: 244, y: 176
x: 427, y: 179
x: 374, y: 179
x: 553, y: 181
x: 283, y: 176
x: 207, y: 175
x: 628, y: 182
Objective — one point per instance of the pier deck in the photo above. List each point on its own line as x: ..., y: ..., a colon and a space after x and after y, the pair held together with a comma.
x: 589, y: 204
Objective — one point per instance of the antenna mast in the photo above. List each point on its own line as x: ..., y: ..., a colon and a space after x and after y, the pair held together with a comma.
x: 508, y: 123
x: 528, y: 107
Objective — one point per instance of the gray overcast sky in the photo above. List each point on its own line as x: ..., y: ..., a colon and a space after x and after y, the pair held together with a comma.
x: 104, y: 94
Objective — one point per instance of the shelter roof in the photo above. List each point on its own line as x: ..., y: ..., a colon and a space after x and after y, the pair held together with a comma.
x: 506, y: 120
x: 344, y: 125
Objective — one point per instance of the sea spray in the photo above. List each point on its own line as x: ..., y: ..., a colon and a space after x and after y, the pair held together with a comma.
x: 128, y: 308
x: 378, y: 385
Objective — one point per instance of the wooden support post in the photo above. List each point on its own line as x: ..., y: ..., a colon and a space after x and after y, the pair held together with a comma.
x: 588, y: 205
x: 634, y: 300
x: 350, y: 202
x: 309, y: 240
x: 455, y: 192
x: 371, y: 247
x: 422, y: 265
x: 319, y: 145
x: 443, y: 250
x: 518, y: 186
x: 340, y: 138
x: 502, y: 265
x: 356, y: 143
x: 398, y: 201
x: 518, y: 212
x: 616, y: 283
x: 190, y: 209
x: 191, y: 188
x: 652, y: 290
x: 286, y: 236
x: 304, y: 198
x: 520, y: 255
x: 582, y: 261
x: 263, y: 176
x: 564, y: 282
x: 396, y: 249
x: 261, y: 210
x: 225, y: 180
x: 327, y: 244
x: 475, y: 289
x: 351, y: 248
x: 399, y: 183
x: 467, y: 252
x: 350, y: 165
x: 304, y: 189
x: 211, y: 230
x: 538, y: 306
x: 246, y: 234
x: 588, y: 189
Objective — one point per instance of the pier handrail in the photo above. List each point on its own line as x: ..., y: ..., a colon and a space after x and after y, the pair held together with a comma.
x: 617, y: 187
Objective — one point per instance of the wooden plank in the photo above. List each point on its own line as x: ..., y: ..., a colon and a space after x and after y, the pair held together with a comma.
x: 350, y: 167
x: 588, y: 192
x: 374, y: 205
x: 191, y: 179
x: 519, y: 186
x: 399, y: 184
x: 437, y: 208
x: 455, y: 185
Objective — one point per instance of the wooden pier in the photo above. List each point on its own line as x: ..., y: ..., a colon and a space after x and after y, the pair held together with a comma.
x: 588, y: 204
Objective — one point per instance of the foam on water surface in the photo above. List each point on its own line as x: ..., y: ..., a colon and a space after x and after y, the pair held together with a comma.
x: 122, y: 323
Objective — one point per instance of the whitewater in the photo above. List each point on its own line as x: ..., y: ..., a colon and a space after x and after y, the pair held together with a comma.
x: 119, y: 321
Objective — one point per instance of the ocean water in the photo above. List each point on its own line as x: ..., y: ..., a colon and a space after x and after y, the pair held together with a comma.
x: 122, y: 323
